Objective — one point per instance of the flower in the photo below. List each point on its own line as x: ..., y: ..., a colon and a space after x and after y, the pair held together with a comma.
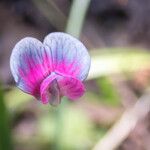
x: 51, y: 69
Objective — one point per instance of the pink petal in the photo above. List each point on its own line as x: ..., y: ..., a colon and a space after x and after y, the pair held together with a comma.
x: 50, y: 92
x: 30, y: 63
x: 70, y: 87
x: 57, y: 85
x: 69, y: 55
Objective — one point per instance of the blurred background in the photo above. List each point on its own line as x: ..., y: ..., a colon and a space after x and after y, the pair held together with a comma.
x: 117, y: 35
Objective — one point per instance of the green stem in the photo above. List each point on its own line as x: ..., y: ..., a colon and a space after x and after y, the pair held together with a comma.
x: 5, y: 137
x: 59, y: 112
x: 77, y: 16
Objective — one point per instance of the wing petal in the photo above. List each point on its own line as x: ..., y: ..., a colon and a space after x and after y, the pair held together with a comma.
x: 57, y: 85
x: 70, y: 87
x: 50, y: 92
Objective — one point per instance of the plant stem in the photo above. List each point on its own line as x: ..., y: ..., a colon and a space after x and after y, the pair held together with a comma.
x: 76, y: 17
x: 59, y: 112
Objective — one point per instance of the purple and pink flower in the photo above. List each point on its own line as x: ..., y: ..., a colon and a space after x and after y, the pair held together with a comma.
x: 52, y: 69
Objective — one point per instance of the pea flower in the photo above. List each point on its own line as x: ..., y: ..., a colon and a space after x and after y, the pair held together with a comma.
x: 52, y: 69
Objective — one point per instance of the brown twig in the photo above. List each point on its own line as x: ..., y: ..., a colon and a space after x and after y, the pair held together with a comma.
x: 120, y: 131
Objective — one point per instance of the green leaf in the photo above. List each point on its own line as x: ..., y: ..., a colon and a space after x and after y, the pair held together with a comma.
x: 108, y: 93
x: 5, y: 132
